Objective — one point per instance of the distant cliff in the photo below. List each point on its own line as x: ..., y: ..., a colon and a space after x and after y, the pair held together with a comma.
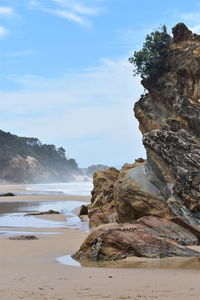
x: 27, y: 160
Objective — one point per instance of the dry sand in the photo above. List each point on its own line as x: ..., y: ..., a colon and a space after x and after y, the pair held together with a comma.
x: 28, y: 270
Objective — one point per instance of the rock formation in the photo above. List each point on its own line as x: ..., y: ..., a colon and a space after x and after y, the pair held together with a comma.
x: 102, y: 207
x: 148, y: 237
x: 169, y: 118
x: 167, y: 184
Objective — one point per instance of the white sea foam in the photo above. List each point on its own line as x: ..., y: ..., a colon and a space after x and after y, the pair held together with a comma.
x: 77, y: 188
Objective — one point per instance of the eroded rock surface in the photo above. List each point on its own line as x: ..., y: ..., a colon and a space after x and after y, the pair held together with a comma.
x: 102, y: 207
x: 148, y: 237
x: 135, y: 196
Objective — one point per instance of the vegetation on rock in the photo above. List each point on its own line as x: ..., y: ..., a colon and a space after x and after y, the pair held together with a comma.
x: 147, y: 59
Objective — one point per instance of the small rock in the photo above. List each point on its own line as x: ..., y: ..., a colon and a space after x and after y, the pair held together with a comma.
x: 49, y: 212
x: 139, y: 160
x: 83, y: 211
x: 7, y: 195
x: 23, y: 237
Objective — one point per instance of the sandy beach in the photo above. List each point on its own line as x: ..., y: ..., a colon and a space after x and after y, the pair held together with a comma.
x: 29, y: 269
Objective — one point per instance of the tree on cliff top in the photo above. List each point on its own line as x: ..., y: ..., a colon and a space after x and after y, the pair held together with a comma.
x: 147, y: 59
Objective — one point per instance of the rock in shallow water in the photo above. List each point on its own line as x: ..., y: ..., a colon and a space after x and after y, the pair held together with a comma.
x: 49, y: 212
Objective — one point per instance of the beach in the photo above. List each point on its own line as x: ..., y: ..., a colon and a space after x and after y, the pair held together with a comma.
x: 30, y: 269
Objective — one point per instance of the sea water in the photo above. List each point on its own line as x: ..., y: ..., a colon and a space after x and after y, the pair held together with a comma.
x: 13, y: 214
x: 76, y: 188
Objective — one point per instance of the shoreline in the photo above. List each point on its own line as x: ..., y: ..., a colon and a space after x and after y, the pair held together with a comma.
x: 29, y: 269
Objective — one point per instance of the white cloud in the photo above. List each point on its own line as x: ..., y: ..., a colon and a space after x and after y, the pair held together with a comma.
x: 19, y: 53
x: 3, y: 32
x: 192, y: 19
x: 193, y: 16
x: 195, y: 29
x: 67, y: 15
x: 70, y: 10
x: 5, y: 10
x: 79, y: 7
x: 88, y: 112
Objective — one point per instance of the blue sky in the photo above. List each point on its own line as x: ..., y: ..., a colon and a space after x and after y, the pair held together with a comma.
x: 65, y: 76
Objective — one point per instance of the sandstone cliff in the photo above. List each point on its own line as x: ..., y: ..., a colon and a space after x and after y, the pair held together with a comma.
x: 167, y: 184
x: 27, y: 160
x: 169, y: 118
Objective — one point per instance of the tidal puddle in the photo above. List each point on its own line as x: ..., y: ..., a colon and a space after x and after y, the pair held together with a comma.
x: 13, y: 215
x: 68, y: 260
x: 136, y: 263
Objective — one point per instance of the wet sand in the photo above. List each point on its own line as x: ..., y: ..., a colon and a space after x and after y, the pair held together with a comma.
x: 29, y: 270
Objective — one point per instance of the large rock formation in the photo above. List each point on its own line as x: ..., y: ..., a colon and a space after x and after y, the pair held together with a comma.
x: 102, y: 207
x: 167, y: 184
x: 148, y: 237
x: 169, y: 118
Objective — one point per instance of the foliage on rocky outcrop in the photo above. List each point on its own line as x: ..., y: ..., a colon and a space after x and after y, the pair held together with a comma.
x: 148, y: 60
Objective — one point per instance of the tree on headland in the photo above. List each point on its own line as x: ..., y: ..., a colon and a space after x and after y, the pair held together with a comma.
x: 147, y: 59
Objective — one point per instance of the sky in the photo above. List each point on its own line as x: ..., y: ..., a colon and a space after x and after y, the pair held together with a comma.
x: 65, y: 76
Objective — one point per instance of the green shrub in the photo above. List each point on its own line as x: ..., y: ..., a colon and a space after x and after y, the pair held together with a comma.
x: 147, y: 59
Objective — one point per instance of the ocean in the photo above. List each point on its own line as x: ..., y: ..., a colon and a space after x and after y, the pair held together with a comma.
x: 77, y: 188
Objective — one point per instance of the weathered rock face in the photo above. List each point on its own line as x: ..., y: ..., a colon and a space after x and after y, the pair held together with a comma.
x: 148, y: 237
x: 135, y: 196
x: 165, y: 186
x: 102, y: 207
x: 169, y: 118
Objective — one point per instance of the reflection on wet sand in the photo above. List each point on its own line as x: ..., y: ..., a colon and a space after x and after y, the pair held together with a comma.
x: 137, y: 263
x: 13, y: 215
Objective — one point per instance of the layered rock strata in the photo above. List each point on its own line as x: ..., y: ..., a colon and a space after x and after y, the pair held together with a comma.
x: 149, y: 237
